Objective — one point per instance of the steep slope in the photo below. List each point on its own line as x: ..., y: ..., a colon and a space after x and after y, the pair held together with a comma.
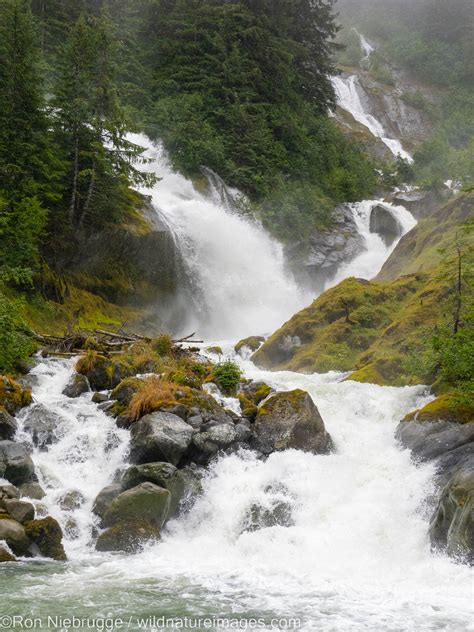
x: 380, y: 328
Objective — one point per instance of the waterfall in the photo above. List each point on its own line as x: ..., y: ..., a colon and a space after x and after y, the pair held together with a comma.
x: 348, y: 98
x: 369, y: 263
x: 240, y: 284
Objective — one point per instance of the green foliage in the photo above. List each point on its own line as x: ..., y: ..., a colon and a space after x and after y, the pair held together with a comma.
x: 16, y: 345
x: 351, y: 52
x: 227, y: 376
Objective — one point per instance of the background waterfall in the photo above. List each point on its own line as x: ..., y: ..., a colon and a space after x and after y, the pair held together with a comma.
x: 239, y: 281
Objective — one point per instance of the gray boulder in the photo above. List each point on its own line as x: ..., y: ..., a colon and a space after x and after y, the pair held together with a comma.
x: 158, y: 473
x: 77, y: 385
x: 384, y: 224
x: 6, y: 556
x: 291, y: 420
x: 8, y: 425
x: 19, y: 510
x: 128, y: 536
x: 430, y: 439
x: 146, y: 502
x: 41, y: 423
x: 213, y: 438
x: 15, y: 463
x: 104, y: 499
x: 452, y: 524
x: 159, y: 436
x: 13, y: 533
x: 32, y: 490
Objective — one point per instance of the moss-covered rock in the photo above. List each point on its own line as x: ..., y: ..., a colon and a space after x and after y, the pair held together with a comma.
x: 6, y: 556
x: 367, y: 374
x: 145, y: 502
x: 12, y: 395
x: 252, y: 343
x: 124, y: 392
x: 47, y: 535
x: 444, y: 408
x: 291, y: 420
x: 215, y: 349
x: 77, y: 385
x: 101, y: 371
x: 105, y: 497
x: 128, y: 536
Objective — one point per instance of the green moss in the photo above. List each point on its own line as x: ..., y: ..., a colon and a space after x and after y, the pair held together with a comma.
x: 367, y: 374
x: 252, y: 342
x: 215, y: 349
x: 444, y: 408
x: 47, y: 535
x: 12, y: 395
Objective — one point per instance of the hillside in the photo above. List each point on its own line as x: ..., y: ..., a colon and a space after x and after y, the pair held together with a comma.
x: 383, y: 329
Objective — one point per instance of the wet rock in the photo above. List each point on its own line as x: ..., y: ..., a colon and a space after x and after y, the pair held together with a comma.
x: 214, y: 349
x: 13, y: 533
x: 105, y: 497
x: 71, y: 529
x: 41, y: 423
x: 452, y: 524
x: 291, y: 420
x: 212, y: 438
x: 8, y: 491
x: 15, y: 463
x: 46, y: 534
x: 252, y: 343
x: 73, y: 499
x: 384, y: 224
x: 102, y: 372
x: 124, y: 392
x: 450, y: 462
x: 256, y: 391
x: 183, y: 485
x: 19, y: 510
x: 100, y: 398
x: 6, y: 556
x: 157, y: 473
x: 128, y: 537
x: 428, y: 440
x: 77, y: 386
x: 8, y: 425
x: 159, y: 436
x: 278, y: 514
x: 146, y: 502
x: 32, y: 490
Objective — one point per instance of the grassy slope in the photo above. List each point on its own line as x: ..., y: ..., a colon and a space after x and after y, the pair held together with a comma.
x: 378, y: 328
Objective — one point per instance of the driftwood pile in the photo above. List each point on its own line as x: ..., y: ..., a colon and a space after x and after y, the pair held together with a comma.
x: 107, y: 342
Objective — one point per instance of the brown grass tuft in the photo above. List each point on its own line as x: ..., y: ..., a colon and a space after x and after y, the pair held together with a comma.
x: 152, y: 395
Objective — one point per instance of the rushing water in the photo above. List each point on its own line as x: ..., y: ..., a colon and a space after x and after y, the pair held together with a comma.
x: 348, y: 98
x: 357, y: 555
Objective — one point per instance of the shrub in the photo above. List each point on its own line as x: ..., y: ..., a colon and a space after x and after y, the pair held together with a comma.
x: 163, y: 345
x: 227, y: 376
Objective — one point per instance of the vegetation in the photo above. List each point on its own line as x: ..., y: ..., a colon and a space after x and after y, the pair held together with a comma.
x: 413, y: 325
x: 227, y: 376
x: 432, y: 42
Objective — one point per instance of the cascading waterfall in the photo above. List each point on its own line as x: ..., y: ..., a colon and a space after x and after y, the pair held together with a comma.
x: 237, y: 271
x: 376, y: 252
x: 355, y: 553
x: 348, y: 98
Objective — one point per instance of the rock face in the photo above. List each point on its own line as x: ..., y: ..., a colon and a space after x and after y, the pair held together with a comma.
x: 15, y: 463
x: 327, y: 250
x: 105, y: 497
x: 159, y: 437
x: 291, y: 420
x: 452, y: 525
x: 429, y: 440
x: 20, y: 510
x: 384, y: 224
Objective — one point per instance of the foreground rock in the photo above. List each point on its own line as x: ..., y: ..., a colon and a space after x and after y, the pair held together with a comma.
x: 46, y: 536
x: 127, y: 537
x: 291, y: 420
x: 77, y: 385
x: 384, y: 224
x: 15, y: 463
x: 431, y: 437
x: 8, y: 425
x: 146, y: 502
x: 160, y: 436
x: 41, y: 424
x: 13, y: 533
x: 13, y: 396
x: 452, y: 524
